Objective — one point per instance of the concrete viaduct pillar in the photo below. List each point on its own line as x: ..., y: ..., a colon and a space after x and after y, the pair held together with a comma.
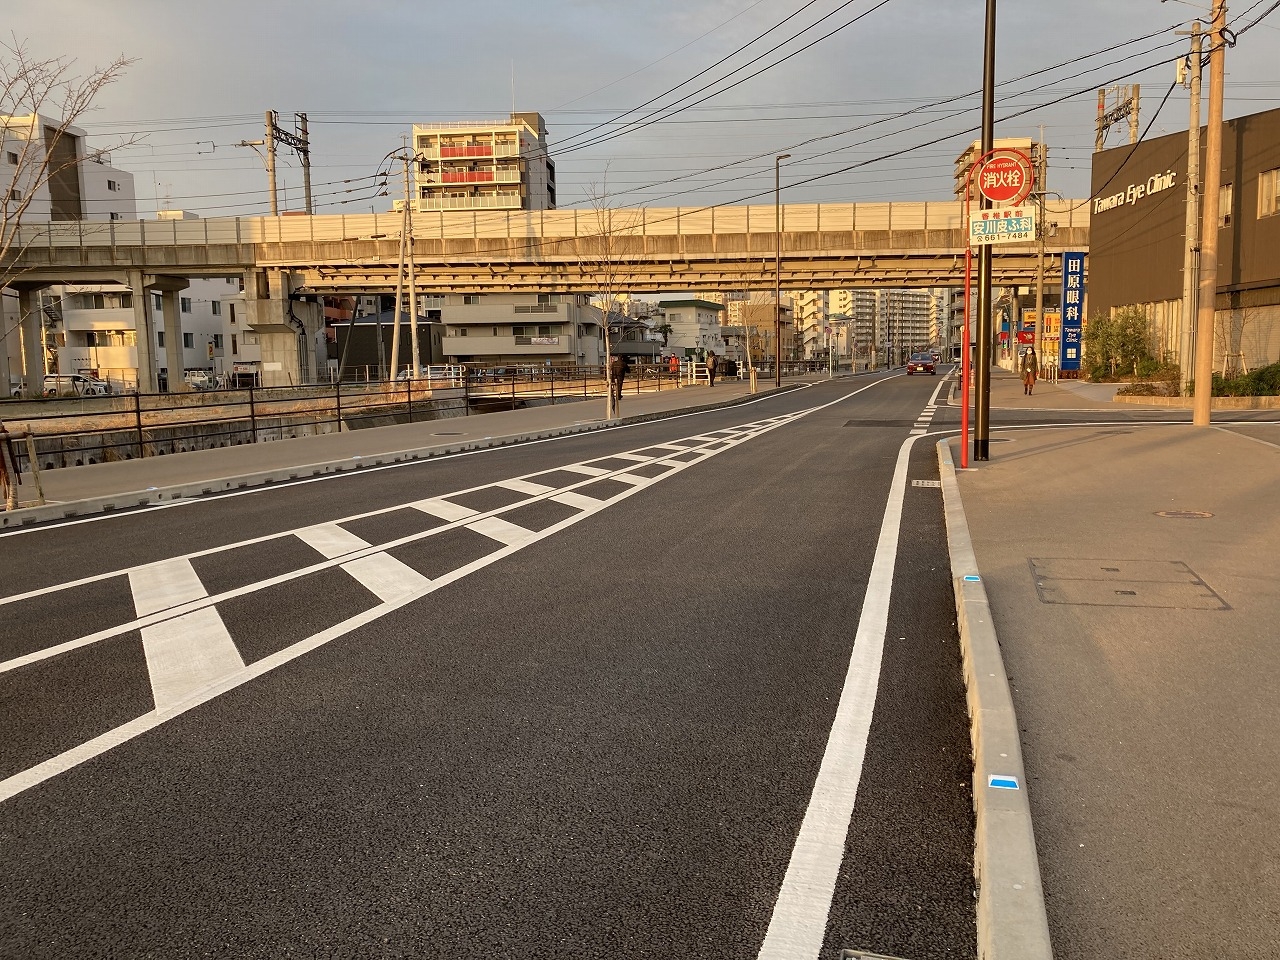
x: 143, y: 285
x: 145, y: 331
x: 32, y: 321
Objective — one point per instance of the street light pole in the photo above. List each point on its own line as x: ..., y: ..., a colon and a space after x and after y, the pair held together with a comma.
x: 982, y: 375
x: 777, y: 276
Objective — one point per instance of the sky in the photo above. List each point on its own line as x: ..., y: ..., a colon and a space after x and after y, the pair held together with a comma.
x: 873, y: 99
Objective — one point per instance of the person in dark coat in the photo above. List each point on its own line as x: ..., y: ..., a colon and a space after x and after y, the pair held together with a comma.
x: 1027, y: 367
x: 712, y: 362
x: 618, y: 367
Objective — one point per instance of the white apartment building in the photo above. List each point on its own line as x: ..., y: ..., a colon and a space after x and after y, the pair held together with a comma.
x: 518, y: 328
x: 80, y: 184
x: 484, y: 165
x: 902, y: 320
x: 695, y: 327
x: 857, y: 306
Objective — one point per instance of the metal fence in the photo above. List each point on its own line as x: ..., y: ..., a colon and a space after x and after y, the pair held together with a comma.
x: 74, y: 431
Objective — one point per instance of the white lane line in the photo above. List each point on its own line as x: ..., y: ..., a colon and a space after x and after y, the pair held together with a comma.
x: 330, y: 540
x: 583, y: 468
x: 187, y: 654
x: 800, y: 916
x: 669, y: 446
x: 444, y: 509
x: 917, y: 433
x: 639, y: 457
x: 159, y: 586
x: 504, y: 531
x: 387, y: 578
x: 576, y: 500
x: 524, y: 486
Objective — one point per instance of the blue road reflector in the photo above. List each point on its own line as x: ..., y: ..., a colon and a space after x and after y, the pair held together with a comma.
x: 971, y: 578
x: 1002, y: 782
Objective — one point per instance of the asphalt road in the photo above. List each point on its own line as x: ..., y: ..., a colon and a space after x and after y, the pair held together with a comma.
x: 429, y: 711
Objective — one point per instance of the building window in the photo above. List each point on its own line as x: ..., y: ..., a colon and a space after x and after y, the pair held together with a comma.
x: 159, y: 338
x: 116, y: 216
x: 155, y: 300
x: 548, y: 298
x: 1269, y: 193
x: 185, y: 303
x: 471, y: 299
x: 12, y: 157
x: 113, y: 186
x: 189, y: 340
x: 14, y: 196
x: 217, y: 341
x: 519, y: 331
x: 235, y: 348
x: 1225, y: 196
x: 216, y: 307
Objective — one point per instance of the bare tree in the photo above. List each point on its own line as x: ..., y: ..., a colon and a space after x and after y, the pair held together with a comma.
x: 40, y: 101
x: 603, y: 256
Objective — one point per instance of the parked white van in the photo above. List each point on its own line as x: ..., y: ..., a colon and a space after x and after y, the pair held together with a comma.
x: 74, y: 385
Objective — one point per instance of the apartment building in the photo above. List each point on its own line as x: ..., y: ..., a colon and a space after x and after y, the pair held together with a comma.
x: 694, y: 327
x: 857, y: 308
x: 81, y: 183
x: 518, y: 328
x: 483, y: 165
x: 902, y: 322
x: 810, y: 311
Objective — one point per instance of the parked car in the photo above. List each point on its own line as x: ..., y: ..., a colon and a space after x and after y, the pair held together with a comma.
x: 921, y: 363
x: 75, y: 385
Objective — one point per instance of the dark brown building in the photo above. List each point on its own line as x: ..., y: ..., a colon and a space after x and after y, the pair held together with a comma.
x: 1137, y: 229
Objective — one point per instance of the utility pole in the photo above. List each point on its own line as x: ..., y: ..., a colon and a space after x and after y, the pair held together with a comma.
x: 982, y: 380
x: 414, y: 365
x: 304, y: 152
x: 777, y: 268
x: 1042, y: 228
x: 1206, y: 308
x: 1190, y: 260
x: 1134, y: 100
x: 271, y: 161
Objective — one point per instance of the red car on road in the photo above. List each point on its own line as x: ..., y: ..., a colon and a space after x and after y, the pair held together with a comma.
x: 921, y: 363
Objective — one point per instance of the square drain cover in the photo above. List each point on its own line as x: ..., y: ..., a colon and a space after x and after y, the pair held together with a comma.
x: 926, y: 483
x: 1167, y: 584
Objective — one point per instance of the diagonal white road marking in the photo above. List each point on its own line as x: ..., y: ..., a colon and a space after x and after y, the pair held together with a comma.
x: 504, y: 531
x: 331, y: 540
x: 388, y: 579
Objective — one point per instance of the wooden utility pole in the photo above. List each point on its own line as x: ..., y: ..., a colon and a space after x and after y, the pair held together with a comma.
x: 1208, y: 300
x: 1190, y: 260
x: 1041, y: 229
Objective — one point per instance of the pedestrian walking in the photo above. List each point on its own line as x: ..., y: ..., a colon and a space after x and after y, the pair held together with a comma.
x: 1027, y: 367
x: 618, y: 366
x: 712, y: 362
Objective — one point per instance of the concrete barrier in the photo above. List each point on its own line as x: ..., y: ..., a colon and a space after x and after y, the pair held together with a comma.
x: 1012, y: 923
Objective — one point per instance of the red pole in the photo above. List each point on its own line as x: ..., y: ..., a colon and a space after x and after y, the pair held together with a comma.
x: 964, y: 337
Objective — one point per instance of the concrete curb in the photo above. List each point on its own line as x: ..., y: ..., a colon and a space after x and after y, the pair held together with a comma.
x: 129, y: 500
x: 1012, y: 922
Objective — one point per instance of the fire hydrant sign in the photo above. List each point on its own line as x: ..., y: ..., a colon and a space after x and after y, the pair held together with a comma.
x: 1009, y: 225
x: 1006, y: 178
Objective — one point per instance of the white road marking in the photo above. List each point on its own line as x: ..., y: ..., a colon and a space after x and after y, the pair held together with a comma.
x: 632, y: 456
x: 444, y: 509
x: 159, y: 586
x: 330, y: 540
x: 524, y: 486
x: 633, y: 479
x: 387, y: 578
x: 73, y: 757
x: 187, y: 654
x: 504, y: 531
x: 583, y: 468
x: 799, y: 918
x: 576, y: 500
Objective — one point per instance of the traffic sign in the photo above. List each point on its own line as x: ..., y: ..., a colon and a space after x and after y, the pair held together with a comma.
x: 1006, y: 177
x: 1014, y: 225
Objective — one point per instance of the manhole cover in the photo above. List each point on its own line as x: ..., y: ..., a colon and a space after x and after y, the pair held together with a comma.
x: 1184, y: 514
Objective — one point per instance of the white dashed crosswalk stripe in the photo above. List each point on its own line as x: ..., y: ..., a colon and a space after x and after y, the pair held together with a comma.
x: 444, y: 509
x: 577, y: 500
x: 504, y: 531
x: 387, y: 578
x: 331, y: 540
x: 524, y: 486
x: 584, y: 469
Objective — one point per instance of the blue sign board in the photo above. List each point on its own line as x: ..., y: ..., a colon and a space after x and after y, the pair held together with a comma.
x: 1072, y: 311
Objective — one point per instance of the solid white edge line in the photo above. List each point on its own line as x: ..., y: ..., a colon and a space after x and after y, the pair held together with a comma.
x: 799, y: 920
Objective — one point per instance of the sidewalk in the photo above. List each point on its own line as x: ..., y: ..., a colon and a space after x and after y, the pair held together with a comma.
x: 1132, y: 579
